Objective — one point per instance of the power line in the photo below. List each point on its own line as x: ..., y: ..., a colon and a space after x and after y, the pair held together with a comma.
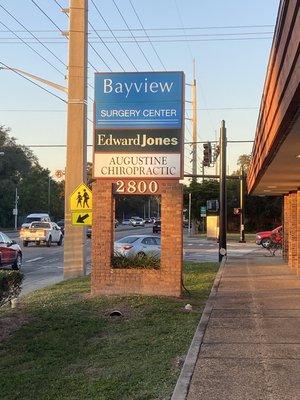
x: 46, y: 15
x: 137, y: 43
x: 34, y: 83
x: 111, y: 53
x: 33, y: 35
x: 181, y: 22
x: 34, y: 50
x: 104, y: 62
x: 103, y: 19
x: 158, y: 29
x: 145, y: 40
x: 154, y: 49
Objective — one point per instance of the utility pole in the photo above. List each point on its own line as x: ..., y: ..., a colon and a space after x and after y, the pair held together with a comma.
x: 195, y: 123
x: 75, y: 240
x: 242, y: 207
x: 223, y: 194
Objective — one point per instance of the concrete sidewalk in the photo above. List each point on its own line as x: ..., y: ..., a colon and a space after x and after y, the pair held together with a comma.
x: 250, y: 349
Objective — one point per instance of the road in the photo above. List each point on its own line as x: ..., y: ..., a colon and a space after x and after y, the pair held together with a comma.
x: 43, y: 266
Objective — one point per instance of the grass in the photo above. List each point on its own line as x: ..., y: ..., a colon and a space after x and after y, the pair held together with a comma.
x: 70, y: 348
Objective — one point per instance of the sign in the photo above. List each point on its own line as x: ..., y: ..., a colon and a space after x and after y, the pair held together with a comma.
x: 82, y: 218
x: 135, y: 187
x: 203, y: 211
x: 138, y: 125
x: 144, y: 100
x: 142, y: 141
x: 124, y: 165
x: 81, y: 198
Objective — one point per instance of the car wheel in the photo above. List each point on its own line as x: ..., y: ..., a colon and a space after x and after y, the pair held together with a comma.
x: 37, y: 243
x: 266, y: 243
x: 59, y: 243
x: 18, y: 263
x: 25, y: 243
x: 49, y: 241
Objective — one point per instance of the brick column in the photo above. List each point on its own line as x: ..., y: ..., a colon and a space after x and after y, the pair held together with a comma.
x: 286, y: 209
x: 164, y: 281
x: 293, y: 230
x: 298, y: 233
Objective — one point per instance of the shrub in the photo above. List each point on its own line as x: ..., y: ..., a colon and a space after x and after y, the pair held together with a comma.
x: 147, y: 261
x: 10, y: 285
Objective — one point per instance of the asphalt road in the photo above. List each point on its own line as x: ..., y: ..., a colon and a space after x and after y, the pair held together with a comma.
x: 43, y: 266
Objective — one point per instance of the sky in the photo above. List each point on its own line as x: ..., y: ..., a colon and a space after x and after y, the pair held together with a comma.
x: 230, y: 41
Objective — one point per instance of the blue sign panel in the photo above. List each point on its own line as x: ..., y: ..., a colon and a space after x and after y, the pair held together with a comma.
x: 144, y: 100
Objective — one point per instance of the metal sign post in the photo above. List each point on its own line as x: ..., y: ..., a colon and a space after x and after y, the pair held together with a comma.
x: 223, y: 195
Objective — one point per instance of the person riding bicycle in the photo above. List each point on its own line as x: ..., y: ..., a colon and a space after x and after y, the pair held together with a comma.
x: 276, y: 240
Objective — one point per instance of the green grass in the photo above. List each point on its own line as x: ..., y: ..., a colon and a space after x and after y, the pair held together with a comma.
x: 70, y: 348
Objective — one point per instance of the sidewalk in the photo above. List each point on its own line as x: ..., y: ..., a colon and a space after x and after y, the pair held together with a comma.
x: 250, y: 349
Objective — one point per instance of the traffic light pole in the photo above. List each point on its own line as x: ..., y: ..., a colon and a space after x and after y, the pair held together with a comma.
x: 242, y: 207
x: 223, y: 195
x: 75, y: 240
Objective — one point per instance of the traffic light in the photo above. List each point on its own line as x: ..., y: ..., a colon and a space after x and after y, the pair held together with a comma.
x: 207, y: 154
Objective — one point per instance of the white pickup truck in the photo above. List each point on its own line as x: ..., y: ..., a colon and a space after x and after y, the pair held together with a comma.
x: 41, y: 232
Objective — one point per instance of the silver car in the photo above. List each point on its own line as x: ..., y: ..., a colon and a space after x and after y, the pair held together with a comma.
x: 138, y: 244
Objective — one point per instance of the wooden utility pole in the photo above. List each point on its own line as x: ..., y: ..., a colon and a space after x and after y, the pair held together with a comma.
x: 75, y: 240
x: 195, y: 123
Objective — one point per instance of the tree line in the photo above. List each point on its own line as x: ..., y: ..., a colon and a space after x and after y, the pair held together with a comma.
x: 37, y: 191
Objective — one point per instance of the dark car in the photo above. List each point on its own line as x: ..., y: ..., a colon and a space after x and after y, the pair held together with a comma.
x: 157, y: 226
x: 10, y: 253
x: 61, y: 224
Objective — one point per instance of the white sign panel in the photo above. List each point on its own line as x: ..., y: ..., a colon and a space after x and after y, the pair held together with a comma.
x: 134, y: 165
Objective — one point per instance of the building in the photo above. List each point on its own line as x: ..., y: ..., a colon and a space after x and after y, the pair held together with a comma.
x: 275, y: 167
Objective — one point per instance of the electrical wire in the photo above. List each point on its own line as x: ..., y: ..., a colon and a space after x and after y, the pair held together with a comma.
x: 120, y: 45
x: 33, y: 49
x: 159, y: 29
x: 137, y: 43
x: 104, y: 62
x: 181, y: 22
x: 46, y: 15
x: 34, y: 83
x: 33, y: 35
x: 146, y: 33
x: 107, y: 47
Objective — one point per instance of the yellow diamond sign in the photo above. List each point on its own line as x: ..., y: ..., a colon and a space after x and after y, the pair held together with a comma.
x: 82, y: 218
x: 81, y: 198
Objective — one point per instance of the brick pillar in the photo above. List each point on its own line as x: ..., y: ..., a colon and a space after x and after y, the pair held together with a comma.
x: 293, y: 230
x: 298, y: 233
x: 286, y: 221
x: 102, y: 234
x: 164, y: 281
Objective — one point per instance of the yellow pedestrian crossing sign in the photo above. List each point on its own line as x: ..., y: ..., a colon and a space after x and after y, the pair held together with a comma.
x: 81, y: 198
x: 82, y: 218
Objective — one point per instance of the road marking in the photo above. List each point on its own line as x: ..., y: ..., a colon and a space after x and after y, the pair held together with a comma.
x: 34, y: 259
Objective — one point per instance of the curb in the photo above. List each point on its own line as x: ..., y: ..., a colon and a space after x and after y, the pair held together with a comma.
x: 183, y: 383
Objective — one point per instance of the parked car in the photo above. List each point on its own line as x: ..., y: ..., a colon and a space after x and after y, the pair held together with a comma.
x: 43, y: 217
x: 10, y: 253
x: 126, y: 222
x: 137, y: 221
x: 264, y: 238
x: 138, y: 244
x: 41, y: 232
x: 61, y: 224
x: 157, y: 226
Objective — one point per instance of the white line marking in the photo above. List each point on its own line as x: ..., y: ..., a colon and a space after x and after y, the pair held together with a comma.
x: 34, y: 259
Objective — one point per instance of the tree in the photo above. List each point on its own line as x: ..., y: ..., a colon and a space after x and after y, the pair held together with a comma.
x: 19, y: 168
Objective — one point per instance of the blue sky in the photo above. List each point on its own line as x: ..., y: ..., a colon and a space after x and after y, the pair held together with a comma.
x: 229, y: 73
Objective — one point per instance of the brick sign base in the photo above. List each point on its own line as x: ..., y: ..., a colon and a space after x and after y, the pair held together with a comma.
x: 106, y: 280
